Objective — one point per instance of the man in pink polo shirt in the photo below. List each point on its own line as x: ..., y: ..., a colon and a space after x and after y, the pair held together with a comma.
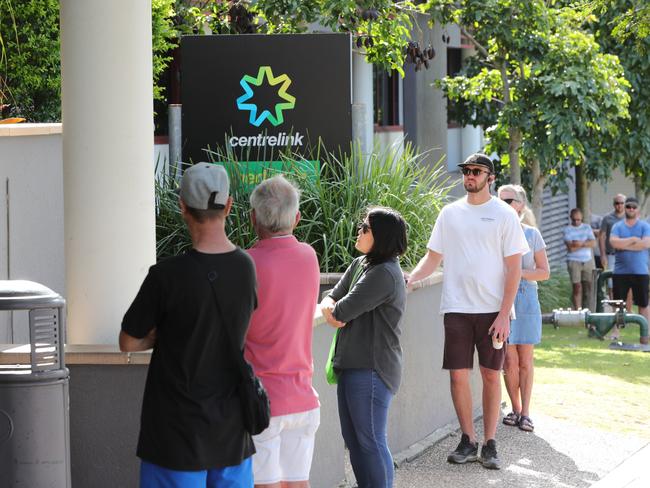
x: 279, y: 340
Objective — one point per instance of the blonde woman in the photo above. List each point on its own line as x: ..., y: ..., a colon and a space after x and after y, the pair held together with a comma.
x: 526, y: 329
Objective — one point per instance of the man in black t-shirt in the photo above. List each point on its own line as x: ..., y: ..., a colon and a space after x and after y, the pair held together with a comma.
x: 191, y: 432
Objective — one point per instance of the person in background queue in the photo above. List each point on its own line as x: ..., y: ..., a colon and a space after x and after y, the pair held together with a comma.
x: 631, y: 239
x: 579, y: 240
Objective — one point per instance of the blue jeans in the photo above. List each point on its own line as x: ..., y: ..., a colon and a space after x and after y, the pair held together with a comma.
x: 363, y: 410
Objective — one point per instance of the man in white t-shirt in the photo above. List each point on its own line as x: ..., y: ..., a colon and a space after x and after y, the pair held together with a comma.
x: 481, y: 241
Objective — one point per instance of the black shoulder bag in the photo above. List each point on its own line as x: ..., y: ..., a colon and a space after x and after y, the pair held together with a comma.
x: 255, y: 404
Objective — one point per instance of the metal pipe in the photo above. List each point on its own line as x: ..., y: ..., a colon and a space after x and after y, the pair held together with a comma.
x: 175, y: 139
x: 643, y: 325
x: 599, y: 324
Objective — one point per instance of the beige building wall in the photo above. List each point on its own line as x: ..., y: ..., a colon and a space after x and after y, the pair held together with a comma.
x: 602, y: 195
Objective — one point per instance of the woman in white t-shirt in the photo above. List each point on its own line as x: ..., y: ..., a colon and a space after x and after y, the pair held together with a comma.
x: 526, y: 328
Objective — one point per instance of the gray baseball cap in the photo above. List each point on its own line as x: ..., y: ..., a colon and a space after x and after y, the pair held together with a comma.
x: 205, y: 186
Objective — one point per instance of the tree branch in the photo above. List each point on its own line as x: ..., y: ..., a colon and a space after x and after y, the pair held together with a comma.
x: 477, y: 44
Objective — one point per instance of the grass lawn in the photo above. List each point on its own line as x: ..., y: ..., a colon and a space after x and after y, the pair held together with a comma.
x: 579, y: 379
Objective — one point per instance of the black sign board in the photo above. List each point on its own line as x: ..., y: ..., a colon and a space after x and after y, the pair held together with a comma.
x: 259, y: 94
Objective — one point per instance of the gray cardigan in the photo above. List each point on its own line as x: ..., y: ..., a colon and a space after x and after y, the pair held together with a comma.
x: 372, y: 310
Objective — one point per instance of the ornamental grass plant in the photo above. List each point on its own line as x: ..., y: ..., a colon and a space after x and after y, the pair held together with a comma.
x: 334, y: 196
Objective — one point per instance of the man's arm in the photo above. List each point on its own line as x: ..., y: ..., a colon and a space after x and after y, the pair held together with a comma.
x: 427, y: 265
x: 573, y: 245
x: 602, y: 238
x: 623, y: 243
x: 133, y: 344
x: 588, y: 243
x: 501, y: 325
x: 641, y: 245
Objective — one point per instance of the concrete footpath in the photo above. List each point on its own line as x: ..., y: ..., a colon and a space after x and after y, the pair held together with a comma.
x: 558, y: 454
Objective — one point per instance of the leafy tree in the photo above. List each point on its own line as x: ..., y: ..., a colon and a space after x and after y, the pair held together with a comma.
x: 539, y: 85
x: 163, y: 40
x: 631, y: 20
x: 380, y: 27
x: 631, y: 150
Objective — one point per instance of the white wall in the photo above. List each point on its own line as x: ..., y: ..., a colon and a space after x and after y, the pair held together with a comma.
x: 31, y: 219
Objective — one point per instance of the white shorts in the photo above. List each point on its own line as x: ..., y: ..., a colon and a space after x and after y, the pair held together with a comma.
x: 285, y: 449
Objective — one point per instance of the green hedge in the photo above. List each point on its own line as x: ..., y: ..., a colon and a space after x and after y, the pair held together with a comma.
x: 332, y: 204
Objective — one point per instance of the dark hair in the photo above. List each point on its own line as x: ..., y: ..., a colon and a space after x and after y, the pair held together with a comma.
x: 388, y: 232
x: 575, y: 211
x: 202, y: 216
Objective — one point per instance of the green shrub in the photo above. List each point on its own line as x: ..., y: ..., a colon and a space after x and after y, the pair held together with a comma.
x: 30, y: 77
x: 555, y: 292
x: 332, y: 203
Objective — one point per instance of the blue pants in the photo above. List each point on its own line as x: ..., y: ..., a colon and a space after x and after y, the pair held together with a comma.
x: 363, y: 410
x: 240, y: 476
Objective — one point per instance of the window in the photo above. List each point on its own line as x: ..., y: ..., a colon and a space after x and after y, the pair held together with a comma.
x: 387, y: 98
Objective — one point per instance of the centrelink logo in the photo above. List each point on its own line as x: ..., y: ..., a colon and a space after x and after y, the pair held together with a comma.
x: 275, y: 118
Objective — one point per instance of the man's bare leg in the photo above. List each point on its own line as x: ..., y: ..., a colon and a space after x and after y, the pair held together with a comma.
x: 461, y: 395
x: 577, y: 296
x: 491, y: 401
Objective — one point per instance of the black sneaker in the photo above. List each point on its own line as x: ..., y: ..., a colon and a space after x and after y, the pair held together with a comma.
x: 465, y: 452
x: 489, y: 457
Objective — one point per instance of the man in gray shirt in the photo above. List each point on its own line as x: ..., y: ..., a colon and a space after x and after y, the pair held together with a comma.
x: 607, y: 252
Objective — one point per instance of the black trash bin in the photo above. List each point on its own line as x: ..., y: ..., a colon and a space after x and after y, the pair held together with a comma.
x: 34, y: 401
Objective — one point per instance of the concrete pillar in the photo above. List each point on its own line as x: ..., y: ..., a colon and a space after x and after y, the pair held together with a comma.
x: 107, y: 161
x: 362, y: 102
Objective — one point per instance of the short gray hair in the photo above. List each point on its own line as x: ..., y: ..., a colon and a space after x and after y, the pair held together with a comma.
x: 275, y: 202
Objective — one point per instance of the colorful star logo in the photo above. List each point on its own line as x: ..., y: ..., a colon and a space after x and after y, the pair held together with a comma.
x: 283, y: 80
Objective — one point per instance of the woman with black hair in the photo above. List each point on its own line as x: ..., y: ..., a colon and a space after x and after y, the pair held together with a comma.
x: 367, y: 305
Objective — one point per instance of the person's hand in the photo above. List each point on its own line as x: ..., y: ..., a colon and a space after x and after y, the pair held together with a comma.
x: 407, y: 280
x: 603, y: 261
x: 500, y: 328
x: 329, y: 317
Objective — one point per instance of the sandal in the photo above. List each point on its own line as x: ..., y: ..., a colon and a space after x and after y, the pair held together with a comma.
x: 526, y: 424
x: 511, y: 419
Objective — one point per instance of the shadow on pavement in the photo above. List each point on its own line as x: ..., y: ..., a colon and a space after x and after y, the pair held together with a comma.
x: 557, y: 454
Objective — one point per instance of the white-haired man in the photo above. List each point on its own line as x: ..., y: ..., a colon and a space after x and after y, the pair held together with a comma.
x: 279, y: 341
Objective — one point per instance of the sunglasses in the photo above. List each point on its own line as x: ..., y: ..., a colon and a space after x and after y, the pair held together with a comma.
x: 509, y: 200
x: 473, y: 171
x: 363, y: 227
x: 631, y: 207
x: 619, y: 203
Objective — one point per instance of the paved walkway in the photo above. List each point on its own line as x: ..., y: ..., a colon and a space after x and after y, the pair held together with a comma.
x: 558, y: 454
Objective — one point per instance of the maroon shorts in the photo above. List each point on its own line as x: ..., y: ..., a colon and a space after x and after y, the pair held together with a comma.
x: 463, y: 332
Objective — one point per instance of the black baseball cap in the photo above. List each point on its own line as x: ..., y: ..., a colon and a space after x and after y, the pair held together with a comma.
x: 631, y: 200
x: 479, y: 159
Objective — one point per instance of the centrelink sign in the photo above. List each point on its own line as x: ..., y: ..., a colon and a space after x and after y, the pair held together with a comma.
x: 257, y: 95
